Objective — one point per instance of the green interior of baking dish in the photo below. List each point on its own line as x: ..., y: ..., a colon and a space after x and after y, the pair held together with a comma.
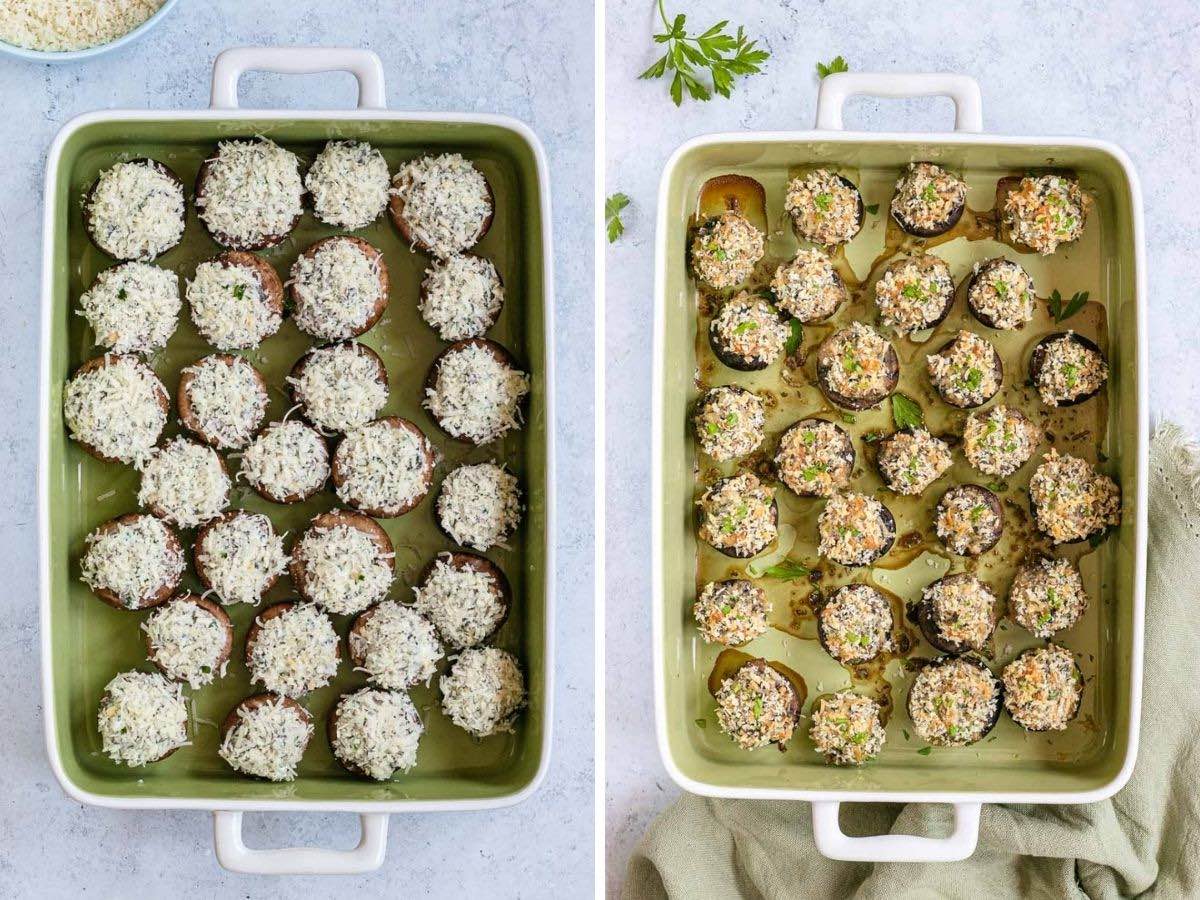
x: 1086, y: 757
x: 90, y: 642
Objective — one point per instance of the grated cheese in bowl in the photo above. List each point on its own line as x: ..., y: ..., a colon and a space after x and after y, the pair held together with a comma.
x: 133, y: 307
x: 63, y: 25
x: 142, y: 718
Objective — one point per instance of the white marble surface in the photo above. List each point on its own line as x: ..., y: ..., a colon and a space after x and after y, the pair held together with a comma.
x: 1125, y: 71
x: 532, y: 61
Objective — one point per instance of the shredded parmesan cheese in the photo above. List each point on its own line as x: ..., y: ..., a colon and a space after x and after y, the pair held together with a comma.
x: 476, y: 396
x: 349, y: 184
x: 288, y: 460
x: 479, y: 506
x: 446, y: 201
x: 185, y: 482
x: 384, y: 468
x: 461, y: 297
x: 344, y: 571
x: 295, y: 652
x: 142, y: 718
x: 188, y: 641
x: 341, y: 387
x: 337, y: 289
x: 251, y: 194
x: 118, y: 408
x: 227, y: 401
x: 395, y: 646
x: 62, y: 25
x: 484, y: 691
x: 133, y: 559
x: 135, y: 211
x: 267, y: 741
x: 230, y: 306
x: 377, y: 732
x: 465, y: 604
x: 241, y: 557
x: 133, y: 307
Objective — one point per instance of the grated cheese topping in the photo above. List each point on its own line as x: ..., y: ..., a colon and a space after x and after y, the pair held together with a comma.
x: 757, y: 707
x: 954, y: 702
x: 230, y: 306
x: 1042, y: 688
x: 185, y: 482
x: 62, y: 25
x: 914, y: 293
x: 479, y: 506
x: 910, y: 461
x: 396, y: 646
x: 964, y: 610
x: 461, y: 296
x: 142, y: 718
x: 967, y: 520
x: 927, y: 197
x: 847, y: 729
x: 464, y: 604
x: 725, y: 250
x: 340, y: 387
x: 1071, y: 500
x: 133, y: 307
x: 1069, y: 370
x: 135, y: 211
x: 1001, y: 293
x: 854, y: 529
x: 377, y: 732
x: 739, y: 515
x: 1000, y: 440
x: 476, y: 396
x: 267, y: 741
x: 966, y: 373
x: 344, y: 570
x: 1045, y: 211
x: 295, y: 652
x: 729, y: 422
x: 117, y: 408
x: 349, y: 184
x: 809, y: 287
x: 288, y: 459
x: 750, y: 328
x: 732, y: 612
x: 252, y: 192
x: 228, y: 400
x: 336, y: 289
x: 1047, y: 596
x: 825, y: 208
x: 815, y: 458
x: 484, y: 691
x: 188, y: 642
x: 446, y: 202
x: 133, y: 560
x: 384, y: 467
x: 242, y: 556
x: 856, y: 624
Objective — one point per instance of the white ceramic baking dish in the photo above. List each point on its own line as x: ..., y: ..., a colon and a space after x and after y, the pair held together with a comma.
x: 704, y: 761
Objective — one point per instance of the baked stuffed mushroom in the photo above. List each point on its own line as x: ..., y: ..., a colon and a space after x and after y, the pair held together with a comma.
x: 731, y: 612
x: 724, y: 251
x: 967, y: 371
x: 1044, y: 211
x: 1000, y: 440
x: 914, y: 293
x: 1043, y: 688
x: 738, y: 516
x: 728, y: 422
x: 1067, y: 368
x: 855, y: 624
x: 957, y: 613
x: 847, y: 728
x: 954, y: 701
x: 929, y: 200
x: 815, y: 458
x: 757, y: 706
x: 1071, y: 500
x: 910, y: 461
x: 825, y: 207
x: 855, y: 529
x: 747, y: 333
x: 1000, y: 294
x: 808, y: 287
x: 1047, y: 596
x: 969, y: 519
x: 857, y: 368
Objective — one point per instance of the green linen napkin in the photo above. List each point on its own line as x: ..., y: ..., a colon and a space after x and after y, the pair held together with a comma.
x: 1143, y: 841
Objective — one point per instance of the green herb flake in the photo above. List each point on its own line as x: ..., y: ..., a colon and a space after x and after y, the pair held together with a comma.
x: 849, y: 418
x: 794, y: 337
x: 702, y: 723
x: 837, y: 64
x: 925, y: 751
x: 122, y: 294
x: 758, y: 707
x: 745, y: 326
x: 824, y: 202
x: 873, y: 208
x: 239, y: 291
x: 906, y: 412
x: 787, y: 570
x: 613, y: 207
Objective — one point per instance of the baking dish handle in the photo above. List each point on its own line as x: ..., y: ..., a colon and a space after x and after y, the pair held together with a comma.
x: 234, y: 855
x: 231, y: 64
x: 834, y: 843
x: 836, y: 89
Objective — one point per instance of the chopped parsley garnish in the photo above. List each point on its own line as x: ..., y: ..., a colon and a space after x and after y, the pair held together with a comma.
x: 122, y: 294
x: 239, y: 291
x: 873, y: 208
x: 1074, y: 305
x: 787, y: 571
x: 906, y: 412
x: 794, y: 337
x: 824, y: 201
x: 929, y: 194
x: 745, y: 326
x: 613, y: 208
x: 925, y: 751
x: 849, y: 418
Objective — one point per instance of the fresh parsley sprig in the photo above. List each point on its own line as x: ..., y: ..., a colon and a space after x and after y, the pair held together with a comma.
x: 724, y: 55
x: 1074, y: 305
x: 787, y: 570
x: 837, y: 64
x: 906, y: 412
x: 613, y: 208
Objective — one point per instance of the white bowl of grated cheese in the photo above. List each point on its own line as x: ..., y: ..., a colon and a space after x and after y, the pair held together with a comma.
x: 54, y: 31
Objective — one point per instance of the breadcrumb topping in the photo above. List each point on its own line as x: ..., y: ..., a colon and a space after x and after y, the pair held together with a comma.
x: 966, y: 373
x: 808, y: 287
x: 910, y: 461
x: 1069, y: 370
x: 964, y: 610
x: 815, y: 458
x: 732, y: 612
x: 1047, y: 596
x: 1045, y: 211
x: 858, y: 363
x: 750, y: 328
x: 855, y: 529
x: 1042, y: 688
x: 847, y: 729
x: 927, y: 197
x: 914, y: 293
x: 725, y: 250
x: 757, y: 706
x: 1001, y: 293
x: 738, y: 515
x: 825, y: 208
x: 856, y: 624
x: 953, y: 702
x: 729, y: 422
x: 967, y: 520
x: 1000, y: 440
x: 1071, y: 500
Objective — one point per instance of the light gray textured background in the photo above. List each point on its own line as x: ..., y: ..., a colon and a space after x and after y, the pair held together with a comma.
x: 529, y: 60
x: 1128, y: 72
